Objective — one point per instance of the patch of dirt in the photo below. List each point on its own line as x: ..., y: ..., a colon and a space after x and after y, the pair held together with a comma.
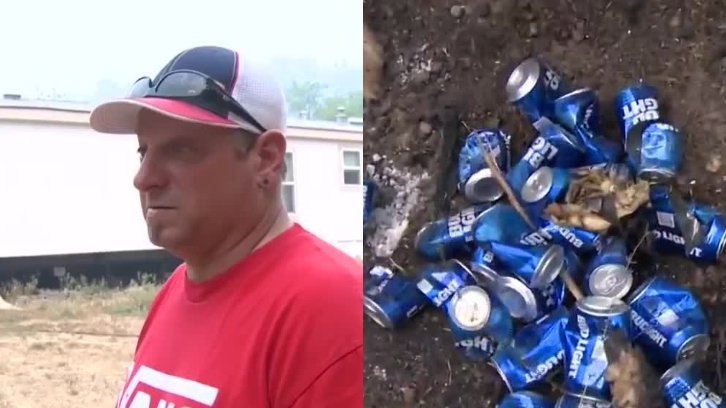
x: 458, y: 54
x: 68, y: 345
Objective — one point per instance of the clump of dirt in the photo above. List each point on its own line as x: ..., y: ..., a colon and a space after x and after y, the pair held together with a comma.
x: 444, y: 65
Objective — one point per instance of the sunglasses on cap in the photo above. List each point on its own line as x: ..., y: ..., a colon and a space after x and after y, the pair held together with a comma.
x: 197, y: 89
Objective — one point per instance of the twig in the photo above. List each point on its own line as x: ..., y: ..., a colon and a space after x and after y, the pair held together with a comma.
x: 396, y: 265
x: 632, y: 254
x: 448, y: 362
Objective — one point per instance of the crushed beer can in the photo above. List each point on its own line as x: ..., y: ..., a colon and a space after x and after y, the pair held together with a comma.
x: 533, y: 86
x: 440, y: 281
x: 538, y: 266
x: 391, y: 299
x: 683, y: 386
x: 472, y: 312
x: 655, y: 151
x: 607, y: 273
x: 583, y: 338
x: 568, y: 400
x: 483, y: 266
x: 476, y: 179
x: 448, y: 237
x: 635, y: 104
x: 666, y: 234
x: 579, y: 240
x: 553, y: 147
x: 547, y: 185
x: 525, y: 303
x: 579, y: 113
x: 525, y: 399
x: 534, y: 354
x: 502, y: 223
x: 668, y: 322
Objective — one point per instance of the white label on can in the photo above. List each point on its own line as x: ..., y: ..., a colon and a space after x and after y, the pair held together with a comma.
x: 424, y: 286
x: 461, y: 223
x: 666, y: 219
x: 540, y: 150
x: 551, y: 79
x: 699, y: 396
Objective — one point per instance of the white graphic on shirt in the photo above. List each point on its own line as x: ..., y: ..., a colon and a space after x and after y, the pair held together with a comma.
x: 170, y: 384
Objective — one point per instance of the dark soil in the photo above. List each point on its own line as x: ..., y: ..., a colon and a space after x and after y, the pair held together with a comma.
x: 442, y: 53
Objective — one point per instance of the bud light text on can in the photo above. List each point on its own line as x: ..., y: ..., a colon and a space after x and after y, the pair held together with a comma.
x: 636, y: 104
x: 545, y: 186
x: 668, y: 323
x: 537, y: 266
x: 655, y: 150
x: 607, y: 273
x: 534, y: 353
x: 473, y: 312
x: 525, y: 399
x: 533, y: 86
x: 585, y: 360
x: 476, y: 179
x: 683, y: 386
x: 568, y: 400
x: 448, y: 237
x: 667, y: 237
x: 579, y: 240
x: 392, y: 299
x: 553, y: 147
x: 440, y: 281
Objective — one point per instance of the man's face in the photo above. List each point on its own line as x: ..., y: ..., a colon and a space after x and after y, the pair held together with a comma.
x: 195, y: 183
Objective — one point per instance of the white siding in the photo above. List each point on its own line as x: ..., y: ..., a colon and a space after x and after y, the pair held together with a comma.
x: 67, y: 189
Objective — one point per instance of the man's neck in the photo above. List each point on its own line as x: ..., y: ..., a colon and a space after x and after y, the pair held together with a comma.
x: 272, y: 224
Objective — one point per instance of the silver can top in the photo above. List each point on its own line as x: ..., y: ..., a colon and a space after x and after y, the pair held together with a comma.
x: 677, y: 369
x: 484, y: 274
x: 602, y: 306
x: 470, y: 308
x: 721, y: 244
x: 375, y: 312
x: 482, y: 187
x: 537, y: 185
x: 611, y: 280
x: 517, y: 298
x: 550, y: 265
x: 695, y: 347
x: 522, y: 79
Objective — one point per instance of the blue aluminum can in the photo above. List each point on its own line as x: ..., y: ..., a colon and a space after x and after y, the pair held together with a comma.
x: 683, y: 386
x: 667, y: 236
x: 568, y: 400
x: 440, y: 281
x: 537, y: 266
x: 369, y: 191
x: 476, y: 180
x: 553, y: 147
x: 391, y: 299
x: 448, y: 237
x: 545, y: 186
x: 533, y: 86
x: 525, y: 399
x: 607, y: 273
x: 534, y: 354
x: 525, y: 303
x: 668, y: 322
x: 484, y: 266
x: 473, y: 312
x: 636, y: 104
x: 655, y: 151
x: 579, y: 240
x: 500, y: 223
x: 585, y: 360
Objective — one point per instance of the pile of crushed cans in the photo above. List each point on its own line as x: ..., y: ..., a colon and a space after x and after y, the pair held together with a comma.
x: 499, y: 282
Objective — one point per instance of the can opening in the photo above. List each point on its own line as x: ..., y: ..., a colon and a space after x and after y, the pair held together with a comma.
x: 549, y: 267
x: 470, y: 308
x: 482, y: 187
x: 522, y: 79
x: 537, y: 185
x: 376, y: 313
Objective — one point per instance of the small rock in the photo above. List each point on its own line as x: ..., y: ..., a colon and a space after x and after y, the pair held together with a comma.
x: 533, y: 30
x: 675, y: 21
x: 370, y: 170
x: 409, y: 395
x: 714, y: 163
x: 420, y: 77
x: 424, y: 128
x: 458, y: 11
x: 578, y: 33
x: 376, y: 157
x: 436, y: 66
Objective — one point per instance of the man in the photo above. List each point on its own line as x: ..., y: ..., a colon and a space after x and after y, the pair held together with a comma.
x: 261, y: 313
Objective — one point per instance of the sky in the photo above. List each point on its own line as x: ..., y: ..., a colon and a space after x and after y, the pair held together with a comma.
x: 69, y: 45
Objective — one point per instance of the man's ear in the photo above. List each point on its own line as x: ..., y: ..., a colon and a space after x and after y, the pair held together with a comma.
x: 270, y: 149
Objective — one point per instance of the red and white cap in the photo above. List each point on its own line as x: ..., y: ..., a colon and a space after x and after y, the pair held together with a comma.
x: 249, y: 83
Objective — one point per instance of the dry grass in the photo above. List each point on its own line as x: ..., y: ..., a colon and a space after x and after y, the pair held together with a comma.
x: 68, y: 348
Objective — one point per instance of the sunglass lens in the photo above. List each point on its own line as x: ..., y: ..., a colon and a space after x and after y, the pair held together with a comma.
x: 181, y: 84
x: 140, y: 87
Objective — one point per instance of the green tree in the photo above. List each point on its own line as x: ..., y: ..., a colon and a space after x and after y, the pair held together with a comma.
x: 352, y: 102
x: 306, y: 96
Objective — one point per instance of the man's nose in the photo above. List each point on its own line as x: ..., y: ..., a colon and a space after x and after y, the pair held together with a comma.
x: 150, y: 175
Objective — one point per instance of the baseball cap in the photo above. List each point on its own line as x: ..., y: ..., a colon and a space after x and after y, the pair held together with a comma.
x: 249, y: 83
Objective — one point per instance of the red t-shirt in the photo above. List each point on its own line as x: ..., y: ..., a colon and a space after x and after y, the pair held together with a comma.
x: 283, y: 328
